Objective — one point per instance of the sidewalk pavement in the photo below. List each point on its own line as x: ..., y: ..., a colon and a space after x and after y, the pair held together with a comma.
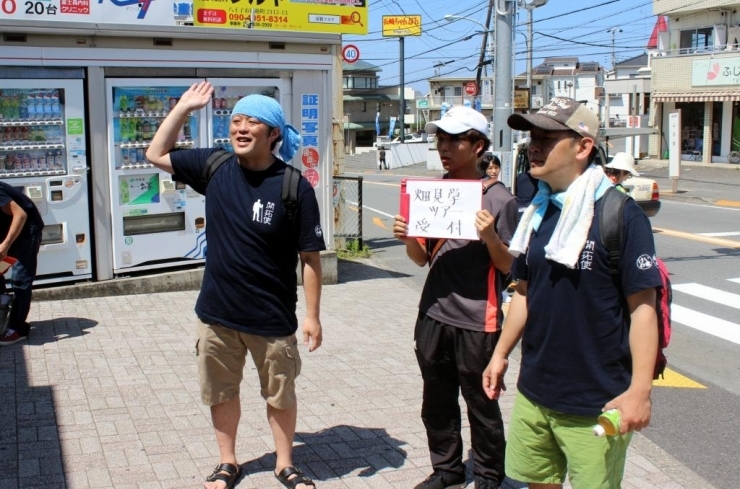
x: 105, y: 394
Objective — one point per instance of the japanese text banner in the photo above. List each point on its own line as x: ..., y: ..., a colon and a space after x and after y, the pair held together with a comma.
x: 134, y: 12
x: 441, y: 208
x: 329, y: 16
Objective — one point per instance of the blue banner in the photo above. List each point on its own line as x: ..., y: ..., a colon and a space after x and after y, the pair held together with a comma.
x: 377, y: 123
x: 393, y: 126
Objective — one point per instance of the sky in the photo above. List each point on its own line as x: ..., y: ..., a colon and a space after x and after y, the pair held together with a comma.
x: 561, y: 28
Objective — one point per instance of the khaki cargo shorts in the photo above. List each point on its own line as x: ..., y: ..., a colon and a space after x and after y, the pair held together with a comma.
x: 222, y: 354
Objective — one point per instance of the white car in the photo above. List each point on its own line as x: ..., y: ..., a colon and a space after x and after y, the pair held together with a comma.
x: 409, y: 138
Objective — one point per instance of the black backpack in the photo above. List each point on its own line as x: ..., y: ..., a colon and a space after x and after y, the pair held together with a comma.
x: 291, y: 180
x: 611, y: 225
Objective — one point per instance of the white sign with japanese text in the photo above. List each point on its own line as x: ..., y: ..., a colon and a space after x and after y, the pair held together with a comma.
x: 131, y: 12
x: 442, y: 208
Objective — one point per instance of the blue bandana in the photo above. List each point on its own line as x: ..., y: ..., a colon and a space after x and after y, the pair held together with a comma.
x: 268, y: 111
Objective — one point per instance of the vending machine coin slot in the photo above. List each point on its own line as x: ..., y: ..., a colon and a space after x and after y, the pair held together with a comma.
x: 55, y: 183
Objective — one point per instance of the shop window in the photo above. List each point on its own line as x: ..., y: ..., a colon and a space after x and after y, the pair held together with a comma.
x: 458, y: 91
x: 696, y: 40
x: 692, y: 126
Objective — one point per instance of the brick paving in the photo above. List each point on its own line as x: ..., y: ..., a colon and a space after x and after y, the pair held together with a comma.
x: 105, y: 395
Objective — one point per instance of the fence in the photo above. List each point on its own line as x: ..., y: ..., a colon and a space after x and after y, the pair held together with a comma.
x: 347, y: 200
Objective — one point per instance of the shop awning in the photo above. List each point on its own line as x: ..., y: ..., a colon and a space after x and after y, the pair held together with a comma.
x: 727, y: 96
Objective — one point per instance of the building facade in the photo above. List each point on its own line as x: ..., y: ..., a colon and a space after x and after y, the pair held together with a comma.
x: 696, y: 70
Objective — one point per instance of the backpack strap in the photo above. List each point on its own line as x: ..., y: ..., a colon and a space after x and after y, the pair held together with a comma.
x: 611, y: 225
x: 487, y: 184
x: 213, y: 163
x: 291, y: 180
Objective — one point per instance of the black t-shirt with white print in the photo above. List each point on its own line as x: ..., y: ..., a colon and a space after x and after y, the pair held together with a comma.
x: 249, y: 283
x: 575, y: 348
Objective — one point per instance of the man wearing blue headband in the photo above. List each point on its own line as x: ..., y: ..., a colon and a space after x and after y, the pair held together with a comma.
x: 247, y: 303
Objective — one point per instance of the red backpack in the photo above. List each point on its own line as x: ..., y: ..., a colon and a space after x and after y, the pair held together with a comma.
x: 611, y: 224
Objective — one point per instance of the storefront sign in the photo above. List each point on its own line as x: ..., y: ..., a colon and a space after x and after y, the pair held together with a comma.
x: 134, y: 12
x: 521, y: 98
x: 401, y: 25
x: 674, y: 145
x: 715, y: 72
x: 310, y: 155
x: 335, y: 16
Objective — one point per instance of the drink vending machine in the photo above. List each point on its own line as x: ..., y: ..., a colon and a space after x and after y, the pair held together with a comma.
x: 157, y: 222
x: 43, y: 153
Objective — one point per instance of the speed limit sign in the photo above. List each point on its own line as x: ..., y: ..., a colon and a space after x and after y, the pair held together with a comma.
x: 350, y: 53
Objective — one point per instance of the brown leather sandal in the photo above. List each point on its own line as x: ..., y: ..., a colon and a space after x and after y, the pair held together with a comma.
x: 232, y: 474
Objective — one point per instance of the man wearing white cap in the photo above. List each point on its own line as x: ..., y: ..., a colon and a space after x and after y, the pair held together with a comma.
x: 460, y: 313
x: 621, y: 168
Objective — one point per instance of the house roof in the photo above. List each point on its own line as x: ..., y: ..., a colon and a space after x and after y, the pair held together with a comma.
x: 641, y: 60
x: 359, y: 66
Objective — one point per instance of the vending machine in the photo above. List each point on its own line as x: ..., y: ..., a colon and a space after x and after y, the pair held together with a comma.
x: 156, y: 221
x: 43, y: 153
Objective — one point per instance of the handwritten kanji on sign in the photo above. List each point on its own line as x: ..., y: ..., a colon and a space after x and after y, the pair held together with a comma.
x: 443, y: 208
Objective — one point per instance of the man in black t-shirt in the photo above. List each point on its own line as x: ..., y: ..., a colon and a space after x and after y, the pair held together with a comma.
x: 247, y: 302
x: 20, y: 229
x: 589, y: 338
x: 460, y: 313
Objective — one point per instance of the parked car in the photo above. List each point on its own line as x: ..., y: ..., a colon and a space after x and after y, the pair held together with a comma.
x: 409, y: 138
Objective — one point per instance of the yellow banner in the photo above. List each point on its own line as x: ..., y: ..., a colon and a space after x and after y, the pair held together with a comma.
x: 521, y: 98
x: 401, y: 25
x: 330, y: 16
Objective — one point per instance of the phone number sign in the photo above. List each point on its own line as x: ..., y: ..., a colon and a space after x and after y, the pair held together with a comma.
x: 329, y: 16
x: 137, y: 12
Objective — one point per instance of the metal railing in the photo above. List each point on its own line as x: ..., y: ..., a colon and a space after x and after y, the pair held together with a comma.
x: 347, y: 203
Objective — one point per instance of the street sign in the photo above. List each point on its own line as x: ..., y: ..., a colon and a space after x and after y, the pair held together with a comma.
x: 633, y: 121
x: 471, y: 89
x: 350, y: 53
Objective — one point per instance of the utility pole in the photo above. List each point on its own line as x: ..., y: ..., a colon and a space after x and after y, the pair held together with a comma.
x: 483, y: 49
x: 504, y: 94
x: 402, y: 119
x: 613, y: 31
x: 529, y: 53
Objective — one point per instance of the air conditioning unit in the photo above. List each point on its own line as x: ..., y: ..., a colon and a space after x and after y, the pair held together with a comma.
x: 536, y: 102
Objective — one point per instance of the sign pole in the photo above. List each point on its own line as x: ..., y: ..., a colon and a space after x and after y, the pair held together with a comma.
x: 402, y: 118
x: 674, y: 148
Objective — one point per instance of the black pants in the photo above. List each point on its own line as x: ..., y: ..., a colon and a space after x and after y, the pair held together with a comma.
x: 452, y: 360
x: 25, y: 250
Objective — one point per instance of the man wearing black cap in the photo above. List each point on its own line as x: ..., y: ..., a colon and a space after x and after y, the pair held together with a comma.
x: 460, y: 314
x: 588, y: 338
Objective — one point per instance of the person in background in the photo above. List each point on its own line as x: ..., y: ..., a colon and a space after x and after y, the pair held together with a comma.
x: 491, y: 166
x: 460, y: 313
x: 598, y: 353
x: 20, y: 228
x: 621, y: 168
x: 247, y: 302
x: 381, y: 159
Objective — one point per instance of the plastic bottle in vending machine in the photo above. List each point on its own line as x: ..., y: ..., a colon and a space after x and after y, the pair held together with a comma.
x: 139, y: 131
x: 23, y: 109
x: 39, y: 105
x: 186, y: 130
x: 123, y: 130
x: 123, y: 103
x: 56, y: 108
x: 48, y: 111
x: 34, y: 162
x: 50, y: 160
x: 18, y: 162
x: 125, y: 160
x: 3, y: 160
x: 58, y: 160
x: 146, y: 130
x: 140, y: 156
x: 31, y: 105
x: 132, y: 160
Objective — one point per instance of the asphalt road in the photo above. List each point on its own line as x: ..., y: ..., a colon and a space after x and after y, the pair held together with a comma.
x: 695, y: 418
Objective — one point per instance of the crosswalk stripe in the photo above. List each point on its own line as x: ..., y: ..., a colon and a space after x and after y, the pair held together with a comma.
x: 706, y: 323
x: 710, y: 294
x: 736, y: 280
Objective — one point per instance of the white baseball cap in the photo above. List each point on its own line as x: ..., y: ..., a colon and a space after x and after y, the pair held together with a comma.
x: 459, y: 119
x: 623, y: 161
